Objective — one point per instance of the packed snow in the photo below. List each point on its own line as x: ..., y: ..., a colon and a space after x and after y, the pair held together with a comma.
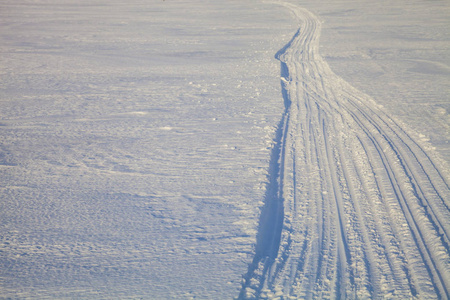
x: 199, y: 149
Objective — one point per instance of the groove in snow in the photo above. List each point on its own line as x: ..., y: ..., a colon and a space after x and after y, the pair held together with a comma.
x: 355, y: 208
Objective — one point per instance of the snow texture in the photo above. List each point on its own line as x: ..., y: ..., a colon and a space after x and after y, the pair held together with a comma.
x: 199, y: 149
x: 360, y: 210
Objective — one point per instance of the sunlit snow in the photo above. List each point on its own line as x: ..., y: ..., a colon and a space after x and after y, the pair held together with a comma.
x: 189, y: 149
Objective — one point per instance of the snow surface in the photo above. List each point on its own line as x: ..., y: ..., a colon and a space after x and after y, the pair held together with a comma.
x: 219, y: 149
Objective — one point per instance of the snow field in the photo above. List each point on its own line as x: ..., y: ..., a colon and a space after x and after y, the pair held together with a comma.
x: 134, y: 146
x: 365, y: 209
x: 142, y: 141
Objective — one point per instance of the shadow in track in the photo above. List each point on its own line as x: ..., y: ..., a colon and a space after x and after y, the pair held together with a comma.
x: 272, y: 214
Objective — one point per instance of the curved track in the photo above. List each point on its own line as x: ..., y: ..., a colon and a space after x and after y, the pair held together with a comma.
x: 355, y: 208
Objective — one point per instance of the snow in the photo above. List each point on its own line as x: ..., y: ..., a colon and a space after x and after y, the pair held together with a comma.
x: 398, y: 54
x: 159, y: 150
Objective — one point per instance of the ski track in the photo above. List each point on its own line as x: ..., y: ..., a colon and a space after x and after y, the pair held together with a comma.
x: 355, y: 208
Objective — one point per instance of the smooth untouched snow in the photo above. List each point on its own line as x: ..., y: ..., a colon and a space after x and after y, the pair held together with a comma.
x: 135, y: 139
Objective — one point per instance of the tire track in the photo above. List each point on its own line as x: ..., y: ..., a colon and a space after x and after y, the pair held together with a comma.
x: 355, y: 207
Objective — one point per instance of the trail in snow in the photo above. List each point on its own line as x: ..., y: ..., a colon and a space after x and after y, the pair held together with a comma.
x: 355, y: 207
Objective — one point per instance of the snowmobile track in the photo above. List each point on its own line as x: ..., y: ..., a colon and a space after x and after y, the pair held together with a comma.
x: 355, y: 207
